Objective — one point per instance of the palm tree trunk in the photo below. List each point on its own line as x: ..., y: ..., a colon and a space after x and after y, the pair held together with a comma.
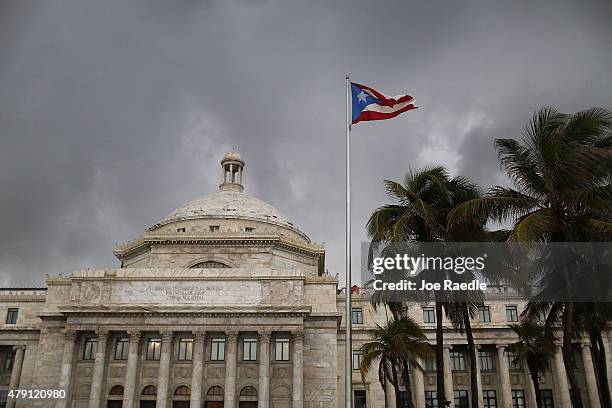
x: 439, y: 356
x: 472, y: 352
x: 568, y: 322
x: 533, y: 373
x: 382, y: 378
x: 407, y: 384
x: 398, y: 402
x: 601, y: 369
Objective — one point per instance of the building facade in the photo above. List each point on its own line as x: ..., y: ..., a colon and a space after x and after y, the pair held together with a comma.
x: 226, y: 303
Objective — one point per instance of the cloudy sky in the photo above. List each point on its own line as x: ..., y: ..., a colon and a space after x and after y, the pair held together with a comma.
x: 114, y: 113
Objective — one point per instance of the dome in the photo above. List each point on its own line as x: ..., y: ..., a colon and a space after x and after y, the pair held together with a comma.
x: 233, y: 155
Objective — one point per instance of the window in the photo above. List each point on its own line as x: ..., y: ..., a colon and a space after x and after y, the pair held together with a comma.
x: 153, y: 349
x: 249, y: 349
x: 281, y: 349
x: 547, y: 399
x: 183, y: 390
x: 149, y: 390
x: 213, y: 228
x: 215, y: 391
x: 249, y: 229
x: 185, y: 350
x: 487, y: 362
x: 122, y: 348
x: 511, y: 314
x: 484, y: 314
x: 431, y: 399
x: 210, y: 264
x: 461, y: 399
x: 457, y: 361
x: 429, y: 316
x: 357, y: 357
x: 217, y: 349
x: 180, y: 230
x: 359, y: 396
x: 11, y: 316
x: 430, y: 364
x: 489, y: 398
x: 248, y: 391
x: 518, y: 399
x: 513, y: 361
x: 89, y: 348
x: 116, y: 390
x: 357, y: 314
x: 7, y: 364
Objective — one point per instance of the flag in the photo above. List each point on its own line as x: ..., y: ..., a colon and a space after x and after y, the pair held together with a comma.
x: 369, y: 104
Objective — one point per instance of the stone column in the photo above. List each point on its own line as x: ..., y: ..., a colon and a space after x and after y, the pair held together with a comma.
x: 264, y: 370
x: 230, y: 369
x: 298, y: 369
x: 197, y: 364
x: 531, y: 395
x: 609, y: 366
x: 419, y: 385
x: 561, y: 376
x: 589, y: 373
x: 16, y: 373
x: 129, y: 390
x: 163, y: 378
x: 479, y: 378
x: 448, y: 375
x: 504, y: 377
x: 65, y: 380
x: 97, y: 382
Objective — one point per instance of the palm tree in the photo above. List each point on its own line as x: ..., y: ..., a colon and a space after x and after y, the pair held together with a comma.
x: 419, y: 214
x: 396, y: 346
x: 562, y: 172
x: 536, y: 347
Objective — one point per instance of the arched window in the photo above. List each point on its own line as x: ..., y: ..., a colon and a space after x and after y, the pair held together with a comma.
x: 215, y: 391
x: 149, y: 390
x: 210, y: 264
x: 116, y: 390
x: 248, y: 391
x: 182, y: 390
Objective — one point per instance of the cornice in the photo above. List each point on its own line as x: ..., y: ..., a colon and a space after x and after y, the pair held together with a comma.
x: 216, y: 239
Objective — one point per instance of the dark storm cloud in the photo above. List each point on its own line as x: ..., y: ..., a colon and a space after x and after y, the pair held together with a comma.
x: 112, y: 114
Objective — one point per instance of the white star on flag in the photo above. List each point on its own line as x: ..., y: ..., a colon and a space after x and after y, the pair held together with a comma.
x: 362, y: 97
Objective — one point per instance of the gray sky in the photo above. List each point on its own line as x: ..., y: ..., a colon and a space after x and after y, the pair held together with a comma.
x: 114, y: 113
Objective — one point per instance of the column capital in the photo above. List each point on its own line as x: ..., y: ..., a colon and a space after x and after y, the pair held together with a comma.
x: 134, y: 335
x: 501, y: 346
x: 478, y: 346
x: 102, y: 334
x: 585, y: 346
x: 70, y: 335
x: 166, y: 335
x: 232, y: 336
x: 298, y: 335
x: 19, y: 347
x: 199, y: 335
x: 264, y: 336
x: 447, y: 346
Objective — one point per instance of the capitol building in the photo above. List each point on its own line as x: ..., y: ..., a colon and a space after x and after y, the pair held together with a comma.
x: 225, y: 302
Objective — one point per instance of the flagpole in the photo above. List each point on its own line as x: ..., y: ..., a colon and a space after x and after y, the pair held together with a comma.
x: 348, y: 344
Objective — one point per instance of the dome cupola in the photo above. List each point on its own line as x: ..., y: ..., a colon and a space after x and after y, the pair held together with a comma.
x: 232, y: 167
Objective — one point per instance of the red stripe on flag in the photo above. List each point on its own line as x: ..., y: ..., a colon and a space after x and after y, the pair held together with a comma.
x: 384, y: 99
x: 371, y: 115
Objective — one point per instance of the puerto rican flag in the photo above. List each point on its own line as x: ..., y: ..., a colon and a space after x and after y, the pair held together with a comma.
x: 369, y: 104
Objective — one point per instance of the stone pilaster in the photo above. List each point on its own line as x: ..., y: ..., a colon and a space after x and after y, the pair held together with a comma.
x: 504, y: 377
x: 230, y: 368
x: 16, y: 373
x: 129, y: 390
x: 448, y: 374
x: 298, y: 369
x: 561, y: 377
x: 199, y: 340
x: 65, y: 381
x: 264, y: 370
x: 589, y: 373
x: 419, y: 385
x: 163, y: 379
x: 97, y: 382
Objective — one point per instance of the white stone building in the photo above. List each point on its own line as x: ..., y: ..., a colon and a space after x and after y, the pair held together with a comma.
x: 226, y: 303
